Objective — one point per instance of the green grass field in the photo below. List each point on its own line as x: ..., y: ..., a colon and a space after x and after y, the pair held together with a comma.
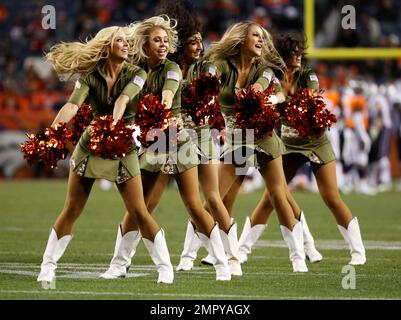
x: 28, y: 209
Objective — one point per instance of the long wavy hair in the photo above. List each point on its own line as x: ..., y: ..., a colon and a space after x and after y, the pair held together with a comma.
x: 138, y: 35
x: 290, y: 44
x: 69, y: 58
x: 187, y: 24
x: 229, y: 46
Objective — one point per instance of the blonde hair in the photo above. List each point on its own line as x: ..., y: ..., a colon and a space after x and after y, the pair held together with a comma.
x: 229, y: 46
x: 84, y: 57
x: 138, y: 35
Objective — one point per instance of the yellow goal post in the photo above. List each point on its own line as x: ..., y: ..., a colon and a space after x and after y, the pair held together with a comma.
x: 339, y: 53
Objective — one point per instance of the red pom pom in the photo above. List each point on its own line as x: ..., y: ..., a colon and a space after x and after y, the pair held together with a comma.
x: 216, y: 121
x: 110, y: 141
x: 151, y: 114
x: 253, y: 111
x: 308, y: 114
x: 199, y: 98
x: 81, y: 120
x: 48, y: 146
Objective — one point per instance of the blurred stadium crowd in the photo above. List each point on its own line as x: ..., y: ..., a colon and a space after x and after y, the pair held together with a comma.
x: 377, y: 24
x: 31, y: 94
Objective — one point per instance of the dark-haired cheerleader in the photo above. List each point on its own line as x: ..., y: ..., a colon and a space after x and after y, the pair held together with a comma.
x: 318, y: 151
x: 188, y: 57
x: 154, y: 38
x: 244, y: 58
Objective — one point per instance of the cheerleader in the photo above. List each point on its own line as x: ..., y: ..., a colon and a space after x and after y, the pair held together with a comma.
x: 243, y: 58
x: 188, y: 57
x: 111, y: 84
x: 153, y: 39
x: 318, y: 152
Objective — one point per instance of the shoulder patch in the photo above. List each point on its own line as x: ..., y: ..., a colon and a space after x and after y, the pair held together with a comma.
x: 276, y: 80
x: 77, y: 84
x: 267, y: 75
x: 313, y: 77
x: 173, y: 75
x: 139, y: 81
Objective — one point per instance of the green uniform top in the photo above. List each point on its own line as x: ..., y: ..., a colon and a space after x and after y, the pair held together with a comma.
x: 317, y: 150
x: 306, y: 78
x: 277, y: 85
x: 259, y: 73
x: 93, y: 87
x: 207, y: 67
x: 166, y: 75
x: 197, y: 68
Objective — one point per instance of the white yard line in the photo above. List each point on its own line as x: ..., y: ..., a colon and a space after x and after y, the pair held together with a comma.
x: 69, y: 254
x: 79, y: 255
x: 320, y: 244
x: 93, y: 271
x: 73, y: 266
x: 72, y: 275
x: 335, y: 244
x: 187, y: 295
x: 29, y: 229
x: 95, y: 274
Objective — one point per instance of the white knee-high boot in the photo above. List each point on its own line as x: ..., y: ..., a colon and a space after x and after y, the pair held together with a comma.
x: 54, y: 251
x: 309, y: 243
x: 209, y: 260
x: 248, y: 238
x: 230, y: 243
x: 295, y: 243
x: 215, y: 248
x: 161, y: 258
x: 190, y: 251
x: 354, y: 239
x: 124, y: 250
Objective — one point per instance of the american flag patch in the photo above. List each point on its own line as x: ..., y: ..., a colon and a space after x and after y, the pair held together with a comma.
x: 173, y: 75
x: 139, y: 81
x: 212, y: 71
x: 77, y: 84
x: 313, y: 77
x: 267, y: 75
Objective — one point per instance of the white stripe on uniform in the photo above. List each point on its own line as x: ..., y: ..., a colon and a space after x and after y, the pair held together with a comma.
x: 173, y: 75
x: 139, y: 81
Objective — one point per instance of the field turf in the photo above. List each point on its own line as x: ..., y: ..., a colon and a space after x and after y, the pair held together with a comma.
x: 28, y: 209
